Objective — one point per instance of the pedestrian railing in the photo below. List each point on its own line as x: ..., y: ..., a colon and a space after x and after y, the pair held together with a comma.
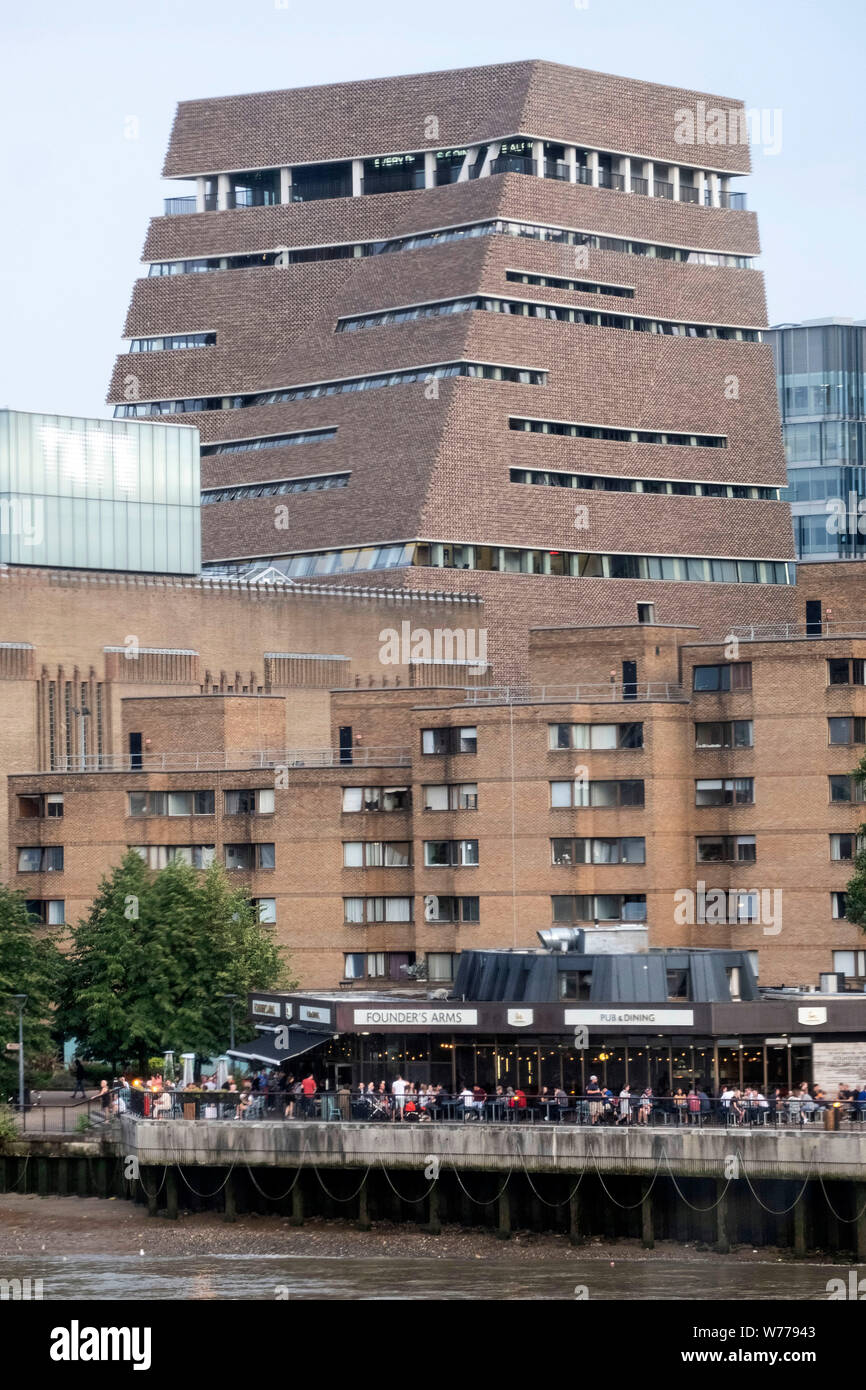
x: 65, y: 1116
x: 411, y: 1107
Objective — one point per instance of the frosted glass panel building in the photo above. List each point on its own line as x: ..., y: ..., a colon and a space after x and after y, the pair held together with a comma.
x: 99, y: 494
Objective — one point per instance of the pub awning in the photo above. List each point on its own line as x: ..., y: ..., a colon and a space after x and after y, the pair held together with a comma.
x: 264, y: 1048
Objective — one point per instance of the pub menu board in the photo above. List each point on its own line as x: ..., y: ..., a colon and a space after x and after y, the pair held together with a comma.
x: 838, y: 1063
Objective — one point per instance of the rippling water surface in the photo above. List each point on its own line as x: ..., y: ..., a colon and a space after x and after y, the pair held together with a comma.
x: 180, y: 1277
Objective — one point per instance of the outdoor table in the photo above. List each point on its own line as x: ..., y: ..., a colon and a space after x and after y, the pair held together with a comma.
x: 450, y: 1108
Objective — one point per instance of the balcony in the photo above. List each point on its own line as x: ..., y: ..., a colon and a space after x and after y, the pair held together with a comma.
x: 236, y: 760
x: 176, y: 207
x: 662, y: 188
x: 513, y: 164
x: 393, y: 180
x: 250, y: 198
x: 316, y: 189
x: 609, y: 692
x: 688, y: 193
x: 784, y: 632
x: 557, y: 169
x: 726, y: 200
x: 639, y: 185
x: 608, y: 179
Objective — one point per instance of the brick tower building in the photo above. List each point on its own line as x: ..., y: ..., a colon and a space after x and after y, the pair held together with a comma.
x: 493, y: 330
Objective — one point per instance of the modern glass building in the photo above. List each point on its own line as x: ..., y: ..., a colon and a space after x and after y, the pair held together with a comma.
x: 820, y: 366
x: 99, y: 494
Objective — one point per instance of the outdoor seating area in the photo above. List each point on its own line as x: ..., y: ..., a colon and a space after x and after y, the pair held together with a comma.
x: 403, y: 1104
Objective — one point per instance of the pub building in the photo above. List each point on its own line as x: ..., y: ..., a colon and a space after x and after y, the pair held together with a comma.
x: 586, y: 1004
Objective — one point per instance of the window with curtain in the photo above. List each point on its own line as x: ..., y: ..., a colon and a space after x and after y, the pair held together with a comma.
x: 398, y: 909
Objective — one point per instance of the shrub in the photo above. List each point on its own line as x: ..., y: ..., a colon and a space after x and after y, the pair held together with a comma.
x: 8, y: 1127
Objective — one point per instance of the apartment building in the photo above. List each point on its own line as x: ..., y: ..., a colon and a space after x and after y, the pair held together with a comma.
x: 709, y: 803
x: 495, y: 330
x: 75, y: 645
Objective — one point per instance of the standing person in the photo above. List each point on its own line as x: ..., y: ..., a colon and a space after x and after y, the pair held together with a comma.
x: 624, y: 1105
x: 644, y: 1109
x: 344, y: 1100
x: 289, y: 1097
x: 398, y: 1091
x: 593, y: 1092
x: 104, y: 1099
x: 309, y: 1089
x: 79, y: 1079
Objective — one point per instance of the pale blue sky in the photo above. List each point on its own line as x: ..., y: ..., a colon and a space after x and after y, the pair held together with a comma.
x: 78, y: 193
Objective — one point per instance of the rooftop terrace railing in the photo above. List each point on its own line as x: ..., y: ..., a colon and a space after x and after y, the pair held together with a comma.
x: 610, y: 692
x: 770, y: 632
x: 236, y: 760
x: 175, y: 206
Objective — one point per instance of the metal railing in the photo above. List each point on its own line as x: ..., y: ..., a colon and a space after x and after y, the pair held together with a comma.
x: 63, y: 1118
x: 725, y: 200
x: 758, y: 632
x: 612, y: 692
x: 688, y: 193
x: 175, y: 206
x: 252, y: 198
x: 436, y: 1105
x: 639, y: 185
x: 242, y: 759
x: 393, y: 181
x: 608, y: 178
x: 662, y: 188
x: 513, y: 164
x: 322, y: 188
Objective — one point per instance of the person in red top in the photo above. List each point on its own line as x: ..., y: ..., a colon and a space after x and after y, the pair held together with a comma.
x: 309, y: 1088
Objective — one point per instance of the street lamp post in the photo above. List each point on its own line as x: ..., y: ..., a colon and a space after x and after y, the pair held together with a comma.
x: 21, y: 1000
x: 232, y: 1000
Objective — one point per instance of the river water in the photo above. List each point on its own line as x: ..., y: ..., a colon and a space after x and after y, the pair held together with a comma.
x: 181, y: 1277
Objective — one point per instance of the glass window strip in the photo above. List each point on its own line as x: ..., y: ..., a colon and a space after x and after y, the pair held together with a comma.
x: 683, y: 487
x: 420, y: 240
x: 173, y: 342
x: 541, y: 309
x: 527, y: 376
x: 511, y: 559
x: 278, y: 488
x: 267, y: 441
x: 560, y: 282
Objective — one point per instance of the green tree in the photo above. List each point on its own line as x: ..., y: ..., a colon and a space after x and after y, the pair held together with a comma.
x: 152, y: 958
x: 29, y: 964
x: 855, y: 889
